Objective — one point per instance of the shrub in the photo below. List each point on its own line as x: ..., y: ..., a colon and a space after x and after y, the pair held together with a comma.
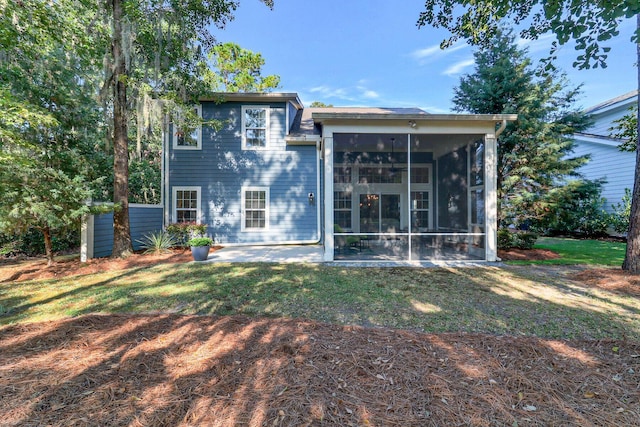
x: 619, y: 219
x: 520, y: 239
x: 524, y: 240
x: 157, y: 243
x: 31, y: 242
x: 505, y: 241
x: 576, y: 209
x: 200, y: 241
x: 181, y: 232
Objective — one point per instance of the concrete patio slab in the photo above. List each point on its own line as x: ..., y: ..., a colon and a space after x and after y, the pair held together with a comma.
x: 276, y: 254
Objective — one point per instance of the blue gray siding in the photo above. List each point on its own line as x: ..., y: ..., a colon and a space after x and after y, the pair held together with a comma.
x: 611, y: 164
x: 142, y: 220
x: 222, y: 168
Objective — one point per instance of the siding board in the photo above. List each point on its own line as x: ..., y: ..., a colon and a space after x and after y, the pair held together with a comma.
x: 221, y: 168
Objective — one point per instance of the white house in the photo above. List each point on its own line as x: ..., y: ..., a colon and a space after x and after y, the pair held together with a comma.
x: 607, y: 162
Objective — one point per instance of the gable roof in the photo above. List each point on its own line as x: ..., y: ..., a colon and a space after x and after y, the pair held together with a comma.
x: 626, y: 98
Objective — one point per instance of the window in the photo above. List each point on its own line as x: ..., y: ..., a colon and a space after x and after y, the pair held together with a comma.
x: 189, y: 138
x: 342, y: 175
x: 186, y: 204
x: 255, y: 208
x: 342, y: 209
x: 378, y: 176
x: 420, y: 175
x: 476, y: 177
x: 255, y: 127
x: 420, y: 210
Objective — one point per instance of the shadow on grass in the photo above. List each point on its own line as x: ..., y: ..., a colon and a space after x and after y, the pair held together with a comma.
x: 510, y: 300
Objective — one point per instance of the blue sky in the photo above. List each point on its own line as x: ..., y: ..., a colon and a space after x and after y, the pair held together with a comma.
x: 370, y: 53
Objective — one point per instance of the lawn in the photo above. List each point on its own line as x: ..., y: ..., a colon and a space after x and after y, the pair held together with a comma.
x: 575, y: 251
x: 521, y: 300
x: 183, y: 344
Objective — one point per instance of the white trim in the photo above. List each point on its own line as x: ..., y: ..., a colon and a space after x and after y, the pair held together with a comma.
x: 267, y: 128
x: 595, y: 139
x: 491, y: 199
x: 198, y: 131
x: 86, y: 238
x: 328, y: 197
x: 174, y: 193
x: 243, y: 226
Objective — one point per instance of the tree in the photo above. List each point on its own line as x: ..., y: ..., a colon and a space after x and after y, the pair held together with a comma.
x: 534, y: 152
x: 627, y: 129
x: 235, y: 69
x: 159, y: 43
x: 589, y: 24
x: 318, y: 104
x: 49, y: 122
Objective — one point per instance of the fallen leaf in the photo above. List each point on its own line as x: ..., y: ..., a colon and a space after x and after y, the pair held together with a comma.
x: 589, y: 395
x: 529, y: 408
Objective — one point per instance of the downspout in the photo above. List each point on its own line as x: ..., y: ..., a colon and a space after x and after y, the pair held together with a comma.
x: 165, y: 170
x: 502, y: 127
x: 319, y: 198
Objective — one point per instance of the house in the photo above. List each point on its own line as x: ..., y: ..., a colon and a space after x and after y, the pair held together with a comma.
x: 367, y: 183
x: 615, y: 166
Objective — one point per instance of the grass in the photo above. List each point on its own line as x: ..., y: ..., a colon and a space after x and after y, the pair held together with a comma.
x: 517, y: 300
x: 575, y: 251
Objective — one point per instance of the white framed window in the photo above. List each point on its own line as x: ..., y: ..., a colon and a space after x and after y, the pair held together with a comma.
x: 186, y: 204
x: 342, y: 205
x: 190, y: 138
x: 255, y: 127
x: 255, y: 208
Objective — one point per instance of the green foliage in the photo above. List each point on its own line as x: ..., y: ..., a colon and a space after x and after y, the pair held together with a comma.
x: 626, y: 129
x: 200, y: 241
x: 575, y: 209
x: 619, y: 219
x: 517, y: 239
x: 238, y: 70
x: 31, y: 243
x: 504, y: 239
x: 157, y: 243
x: 181, y: 232
x: 589, y: 24
x: 534, y: 153
x: 318, y: 104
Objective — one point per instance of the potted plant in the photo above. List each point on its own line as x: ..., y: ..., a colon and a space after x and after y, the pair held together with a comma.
x: 200, y: 247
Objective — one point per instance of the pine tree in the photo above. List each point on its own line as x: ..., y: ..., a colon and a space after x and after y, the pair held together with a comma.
x: 534, y: 153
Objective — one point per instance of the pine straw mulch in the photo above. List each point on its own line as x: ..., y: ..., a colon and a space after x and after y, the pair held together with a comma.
x: 21, y: 269
x: 171, y: 370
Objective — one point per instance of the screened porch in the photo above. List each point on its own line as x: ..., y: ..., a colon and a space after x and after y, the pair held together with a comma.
x: 399, y: 197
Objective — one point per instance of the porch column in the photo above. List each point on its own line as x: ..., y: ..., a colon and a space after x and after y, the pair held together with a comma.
x: 328, y: 198
x: 491, y: 194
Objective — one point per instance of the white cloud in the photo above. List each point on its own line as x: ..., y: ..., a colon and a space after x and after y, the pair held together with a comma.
x: 329, y: 92
x: 457, y: 67
x: 434, y: 51
x: 542, y: 43
x: 371, y: 94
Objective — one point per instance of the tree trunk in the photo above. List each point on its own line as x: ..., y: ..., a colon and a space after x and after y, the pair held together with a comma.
x: 48, y: 245
x: 121, y: 231
x: 632, y: 257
